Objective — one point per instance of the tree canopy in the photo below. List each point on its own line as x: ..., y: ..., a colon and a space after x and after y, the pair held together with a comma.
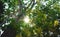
x: 32, y: 18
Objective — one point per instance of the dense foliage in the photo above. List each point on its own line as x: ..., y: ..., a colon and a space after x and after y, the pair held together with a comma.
x: 32, y: 18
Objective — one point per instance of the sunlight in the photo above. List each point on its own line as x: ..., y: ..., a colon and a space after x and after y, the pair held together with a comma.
x: 25, y: 1
x: 1, y: 32
x: 26, y: 19
x: 7, y: 6
x: 44, y: 3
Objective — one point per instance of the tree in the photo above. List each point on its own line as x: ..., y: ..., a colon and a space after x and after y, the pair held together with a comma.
x: 1, y: 11
x: 33, y: 18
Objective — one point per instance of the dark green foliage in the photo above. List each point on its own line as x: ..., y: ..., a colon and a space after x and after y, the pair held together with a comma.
x: 1, y: 11
x: 1, y: 7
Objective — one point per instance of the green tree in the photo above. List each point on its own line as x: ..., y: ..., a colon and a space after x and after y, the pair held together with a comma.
x: 32, y: 18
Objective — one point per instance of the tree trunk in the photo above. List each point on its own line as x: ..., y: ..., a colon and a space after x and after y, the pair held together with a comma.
x: 9, y: 32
